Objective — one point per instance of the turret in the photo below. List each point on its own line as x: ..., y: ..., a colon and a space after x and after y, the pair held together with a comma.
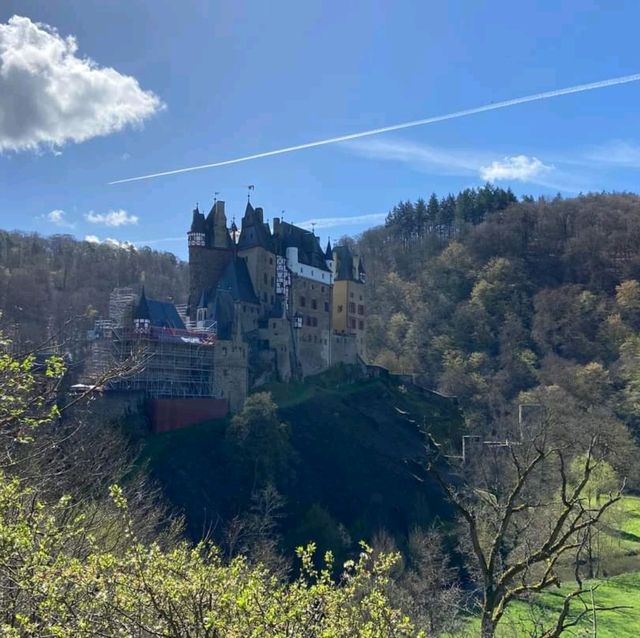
x: 217, y: 233
x: 328, y: 255
x: 198, y: 231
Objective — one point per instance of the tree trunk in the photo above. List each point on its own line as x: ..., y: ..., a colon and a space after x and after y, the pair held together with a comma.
x: 487, y: 624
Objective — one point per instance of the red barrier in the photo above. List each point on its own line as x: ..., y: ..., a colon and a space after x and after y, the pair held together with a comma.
x: 173, y: 414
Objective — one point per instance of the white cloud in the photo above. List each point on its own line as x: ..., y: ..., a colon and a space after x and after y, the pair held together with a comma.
x: 109, y: 241
x: 49, y: 96
x: 468, y: 163
x: 517, y: 167
x: 116, y: 243
x: 331, y: 222
x: 58, y: 217
x: 113, y: 218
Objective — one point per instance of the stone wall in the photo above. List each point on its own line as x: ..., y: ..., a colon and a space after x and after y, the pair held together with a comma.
x: 312, y: 301
x: 231, y: 371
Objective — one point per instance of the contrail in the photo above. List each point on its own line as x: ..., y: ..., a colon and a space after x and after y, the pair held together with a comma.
x: 580, y: 88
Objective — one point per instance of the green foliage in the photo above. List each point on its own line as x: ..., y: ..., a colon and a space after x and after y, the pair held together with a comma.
x: 55, y: 581
x: 262, y: 439
x: 546, y: 290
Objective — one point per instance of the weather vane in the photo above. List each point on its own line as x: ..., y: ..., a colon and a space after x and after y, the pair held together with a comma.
x: 215, y: 196
x: 249, y: 189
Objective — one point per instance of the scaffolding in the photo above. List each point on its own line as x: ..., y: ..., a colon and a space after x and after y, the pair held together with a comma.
x: 121, y: 300
x: 160, y: 362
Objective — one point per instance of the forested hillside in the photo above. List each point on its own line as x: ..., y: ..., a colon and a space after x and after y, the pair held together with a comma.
x: 45, y: 281
x: 487, y: 297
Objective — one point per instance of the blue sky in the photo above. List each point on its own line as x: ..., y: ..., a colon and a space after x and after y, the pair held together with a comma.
x: 174, y: 84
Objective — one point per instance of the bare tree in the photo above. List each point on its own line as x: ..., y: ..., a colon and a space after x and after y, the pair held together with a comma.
x: 529, y: 524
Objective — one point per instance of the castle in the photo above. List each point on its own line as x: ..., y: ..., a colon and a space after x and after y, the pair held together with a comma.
x: 265, y: 303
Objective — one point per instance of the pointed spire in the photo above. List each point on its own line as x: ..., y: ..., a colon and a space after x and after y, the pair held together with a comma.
x: 248, y: 212
x: 328, y: 253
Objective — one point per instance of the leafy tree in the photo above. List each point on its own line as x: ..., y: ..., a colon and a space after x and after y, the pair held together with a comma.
x: 262, y: 439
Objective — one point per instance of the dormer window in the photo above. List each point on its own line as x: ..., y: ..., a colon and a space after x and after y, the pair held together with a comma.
x: 201, y: 314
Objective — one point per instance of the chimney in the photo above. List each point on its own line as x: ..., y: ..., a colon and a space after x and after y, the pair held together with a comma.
x: 276, y: 225
x: 220, y: 206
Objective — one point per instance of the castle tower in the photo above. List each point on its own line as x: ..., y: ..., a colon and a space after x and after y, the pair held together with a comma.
x: 210, y: 250
x: 256, y: 246
x: 349, y: 307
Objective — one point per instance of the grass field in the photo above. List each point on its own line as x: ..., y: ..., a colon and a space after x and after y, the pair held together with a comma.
x: 622, y: 550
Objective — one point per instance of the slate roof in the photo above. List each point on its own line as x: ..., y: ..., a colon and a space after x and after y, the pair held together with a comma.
x: 198, y: 225
x: 255, y: 232
x: 328, y: 253
x: 236, y: 279
x: 223, y: 311
x: 344, y: 266
x: 309, y: 251
x: 161, y: 314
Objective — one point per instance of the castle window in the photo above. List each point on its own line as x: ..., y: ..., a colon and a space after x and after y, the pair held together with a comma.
x: 303, y: 302
x: 352, y: 307
x: 264, y: 277
x: 352, y: 323
x: 224, y: 351
x: 322, y: 287
x: 360, y: 297
x: 360, y: 325
x: 360, y: 309
x: 272, y: 300
x: 201, y: 314
x: 270, y: 260
x: 323, y: 275
x: 326, y: 306
x: 314, y: 304
x: 315, y: 322
x: 272, y: 281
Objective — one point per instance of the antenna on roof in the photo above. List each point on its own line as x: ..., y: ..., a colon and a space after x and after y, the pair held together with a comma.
x: 282, y: 214
x: 249, y: 189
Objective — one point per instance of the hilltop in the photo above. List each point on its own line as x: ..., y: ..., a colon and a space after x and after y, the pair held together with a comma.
x: 358, y: 462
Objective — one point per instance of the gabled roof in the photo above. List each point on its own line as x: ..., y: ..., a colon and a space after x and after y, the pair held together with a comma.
x: 254, y: 231
x: 309, y: 251
x: 344, y: 263
x: 236, y: 280
x: 161, y: 314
